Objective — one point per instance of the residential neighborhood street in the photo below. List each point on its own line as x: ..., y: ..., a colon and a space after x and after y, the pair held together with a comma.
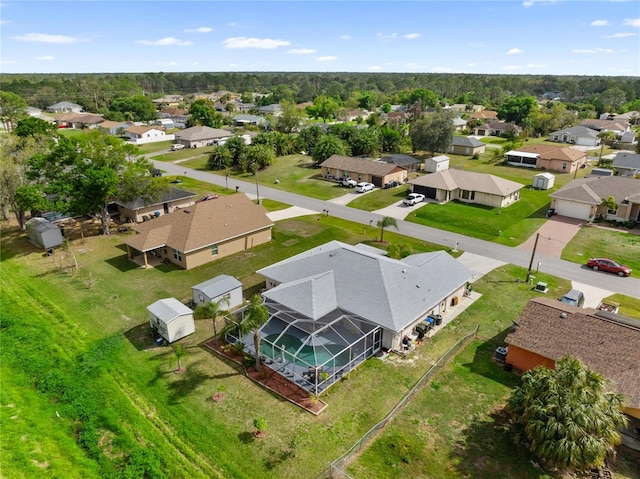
x: 519, y: 256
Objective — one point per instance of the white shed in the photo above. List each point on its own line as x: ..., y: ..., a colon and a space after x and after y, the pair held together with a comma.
x: 219, y: 288
x: 43, y: 233
x: 172, y: 319
x: 543, y: 181
x: 437, y: 163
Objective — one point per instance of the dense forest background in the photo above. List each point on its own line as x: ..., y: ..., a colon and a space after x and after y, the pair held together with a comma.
x: 96, y: 91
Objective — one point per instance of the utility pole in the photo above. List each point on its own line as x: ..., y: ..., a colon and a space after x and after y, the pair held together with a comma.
x: 533, y: 253
x: 257, y: 186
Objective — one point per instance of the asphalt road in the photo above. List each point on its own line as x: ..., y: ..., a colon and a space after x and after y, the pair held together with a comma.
x: 549, y: 265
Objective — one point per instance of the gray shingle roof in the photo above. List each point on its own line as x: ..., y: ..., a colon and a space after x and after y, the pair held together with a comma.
x: 202, y: 133
x: 359, y: 165
x: 593, y: 190
x: 577, y: 131
x: 218, y: 286
x: 389, y: 292
x: 400, y: 160
x: 464, y: 141
x: 627, y: 160
x: 174, y: 194
x: 450, y: 180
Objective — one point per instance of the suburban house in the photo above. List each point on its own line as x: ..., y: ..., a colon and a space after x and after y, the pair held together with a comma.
x: 141, y: 210
x: 607, y: 343
x: 275, y: 109
x: 198, y: 136
x: 631, y: 116
x: 459, y: 124
x: 618, y: 127
x: 146, y: 134
x: 462, y: 145
x: 468, y: 187
x: 486, y: 115
x: 322, y: 293
x: 407, y: 162
x: 583, y: 198
x: 576, y: 135
x: 395, y: 117
x: 244, y: 120
x: 223, y: 289
x: 179, y: 116
x: 437, y: 163
x: 171, y: 319
x: 361, y: 169
x: 463, y: 108
x: 114, y: 128
x: 78, y: 120
x: 202, y: 233
x: 497, y: 128
x: 65, y: 107
x: 627, y: 164
x: 168, y: 101
x: 352, y: 115
x: 165, y: 123
x: 562, y: 159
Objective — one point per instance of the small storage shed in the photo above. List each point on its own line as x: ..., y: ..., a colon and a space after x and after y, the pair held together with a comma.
x: 43, y: 233
x: 172, y: 319
x: 543, y: 181
x: 437, y: 163
x: 217, y: 289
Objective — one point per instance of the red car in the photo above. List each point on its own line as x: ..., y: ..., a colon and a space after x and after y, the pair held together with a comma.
x: 608, y: 265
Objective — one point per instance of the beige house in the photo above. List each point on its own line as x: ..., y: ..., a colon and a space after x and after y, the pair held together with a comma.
x: 198, y: 136
x: 139, y: 210
x: 78, y: 120
x: 468, y: 187
x: 202, y: 233
x: 583, y: 198
x: 562, y: 159
x: 487, y: 115
x: 362, y: 169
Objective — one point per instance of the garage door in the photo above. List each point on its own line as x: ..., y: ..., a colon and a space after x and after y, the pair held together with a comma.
x: 377, y: 181
x: 426, y: 191
x: 573, y: 210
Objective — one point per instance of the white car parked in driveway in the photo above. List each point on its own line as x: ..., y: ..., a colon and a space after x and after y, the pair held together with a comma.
x: 177, y: 146
x: 364, y: 186
x: 412, y: 199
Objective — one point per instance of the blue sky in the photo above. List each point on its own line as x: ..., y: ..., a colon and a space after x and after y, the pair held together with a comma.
x: 510, y: 37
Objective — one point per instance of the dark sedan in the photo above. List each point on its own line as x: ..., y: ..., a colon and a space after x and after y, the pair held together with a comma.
x: 608, y: 265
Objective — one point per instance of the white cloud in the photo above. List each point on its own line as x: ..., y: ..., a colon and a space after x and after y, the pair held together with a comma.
x: 233, y: 65
x: 4, y: 22
x: 46, y: 58
x: 301, y: 51
x: 411, y: 36
x: 345, y: 37
x: 262, y: 43
x: 163, y: 42
x: 195, y: 63
x: 512, y: 67
x: 382, y: 36
x: 536, y: 65
x: 620, y: 35
x: 514, y: 51
x: 599, y: 23
x: 592, y: 50
x: 441, y: 69
x: 374, y: 68
x: 416, y: 66
x: 46, y: 38
x: 167, y: 64
x: 472, y: 65
x: 199, y: 30
x: 328, y: 58
x: 632, y: 22
x: 531, y: 3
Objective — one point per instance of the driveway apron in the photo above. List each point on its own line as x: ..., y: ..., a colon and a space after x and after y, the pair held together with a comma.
x: 555, y: 234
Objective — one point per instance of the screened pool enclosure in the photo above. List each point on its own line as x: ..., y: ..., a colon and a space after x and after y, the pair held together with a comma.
x: 312, y: 353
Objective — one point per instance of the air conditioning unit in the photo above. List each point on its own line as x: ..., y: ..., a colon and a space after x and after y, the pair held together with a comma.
x: 541, y: 287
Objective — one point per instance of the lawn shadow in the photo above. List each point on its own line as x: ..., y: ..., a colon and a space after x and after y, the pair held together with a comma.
x: 246, y: 437
x: 540, y: 212
x: 484, y: 363
x: 15, y: 243
x: 122, y: 263
x: 188, y: 382
x: 141, y: 337
x: 486, y: 448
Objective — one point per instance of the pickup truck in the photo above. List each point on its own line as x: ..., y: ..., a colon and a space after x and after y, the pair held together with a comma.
x: 348, y: 182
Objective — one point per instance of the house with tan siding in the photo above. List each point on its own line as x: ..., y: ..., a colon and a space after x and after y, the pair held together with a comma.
x: 201, y: 233
x: 140, y: 210
x: 362, y: 169
x: 607, y: 343
x: 563, y: 159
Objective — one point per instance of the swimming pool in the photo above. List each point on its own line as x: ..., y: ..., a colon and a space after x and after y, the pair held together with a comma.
x: 306, y: 355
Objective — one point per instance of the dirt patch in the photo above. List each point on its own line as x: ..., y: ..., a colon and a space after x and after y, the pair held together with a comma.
x: 271, y: 380
x: 299, y: 228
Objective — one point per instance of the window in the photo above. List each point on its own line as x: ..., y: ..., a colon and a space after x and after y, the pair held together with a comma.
x: 564, y: 165
x: 612, y: 212
x: 177, y: 255
x: 214, y: 249
x: 468, y: 195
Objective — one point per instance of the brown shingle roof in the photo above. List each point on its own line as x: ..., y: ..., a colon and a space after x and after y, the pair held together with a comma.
x: 554, y: 152
x: 360, y: 165
x: 203, y: 224
x: 450, y: 180
x: 79, y: 118
x: 140, y: 130
x: 606, y: 346
x: 484, y: 115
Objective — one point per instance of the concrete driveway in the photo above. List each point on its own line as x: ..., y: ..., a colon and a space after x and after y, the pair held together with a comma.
x: 555, y: 233
x: 346, y: 198
x: 397, y: 210
x: 592, y: 295
x: 480, y: 265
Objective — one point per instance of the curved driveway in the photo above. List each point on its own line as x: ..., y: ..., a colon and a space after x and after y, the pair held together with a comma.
x: 517, y: 256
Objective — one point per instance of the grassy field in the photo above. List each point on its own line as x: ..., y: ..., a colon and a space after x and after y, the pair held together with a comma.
x: 598, y: 242
x: 86, y: 390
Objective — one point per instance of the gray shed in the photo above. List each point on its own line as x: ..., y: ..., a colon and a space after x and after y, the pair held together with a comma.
x: 43, y: 233
x: 218, y: 288
x: 172, y: 319
x: 543, y: 181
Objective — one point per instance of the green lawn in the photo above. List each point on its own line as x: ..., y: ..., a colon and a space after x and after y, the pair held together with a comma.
x: 379, y: 198
x: 509, y: 226
x: 597, y: 242
x: 157, y: 146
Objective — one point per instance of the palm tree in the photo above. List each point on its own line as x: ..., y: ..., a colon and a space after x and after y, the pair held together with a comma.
x: 213, y: 310
x: 604, y: 136
x: 255, y: 315
x: 384, y: 223
x: 568, y: 415
x: 179, y: 353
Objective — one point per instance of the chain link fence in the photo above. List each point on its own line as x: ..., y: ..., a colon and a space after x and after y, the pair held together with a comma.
x: 336, y: 469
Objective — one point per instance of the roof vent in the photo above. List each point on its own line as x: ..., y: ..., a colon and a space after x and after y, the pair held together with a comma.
x: 563, y: 315
x: 187, y: 211
x: 404, y: 271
